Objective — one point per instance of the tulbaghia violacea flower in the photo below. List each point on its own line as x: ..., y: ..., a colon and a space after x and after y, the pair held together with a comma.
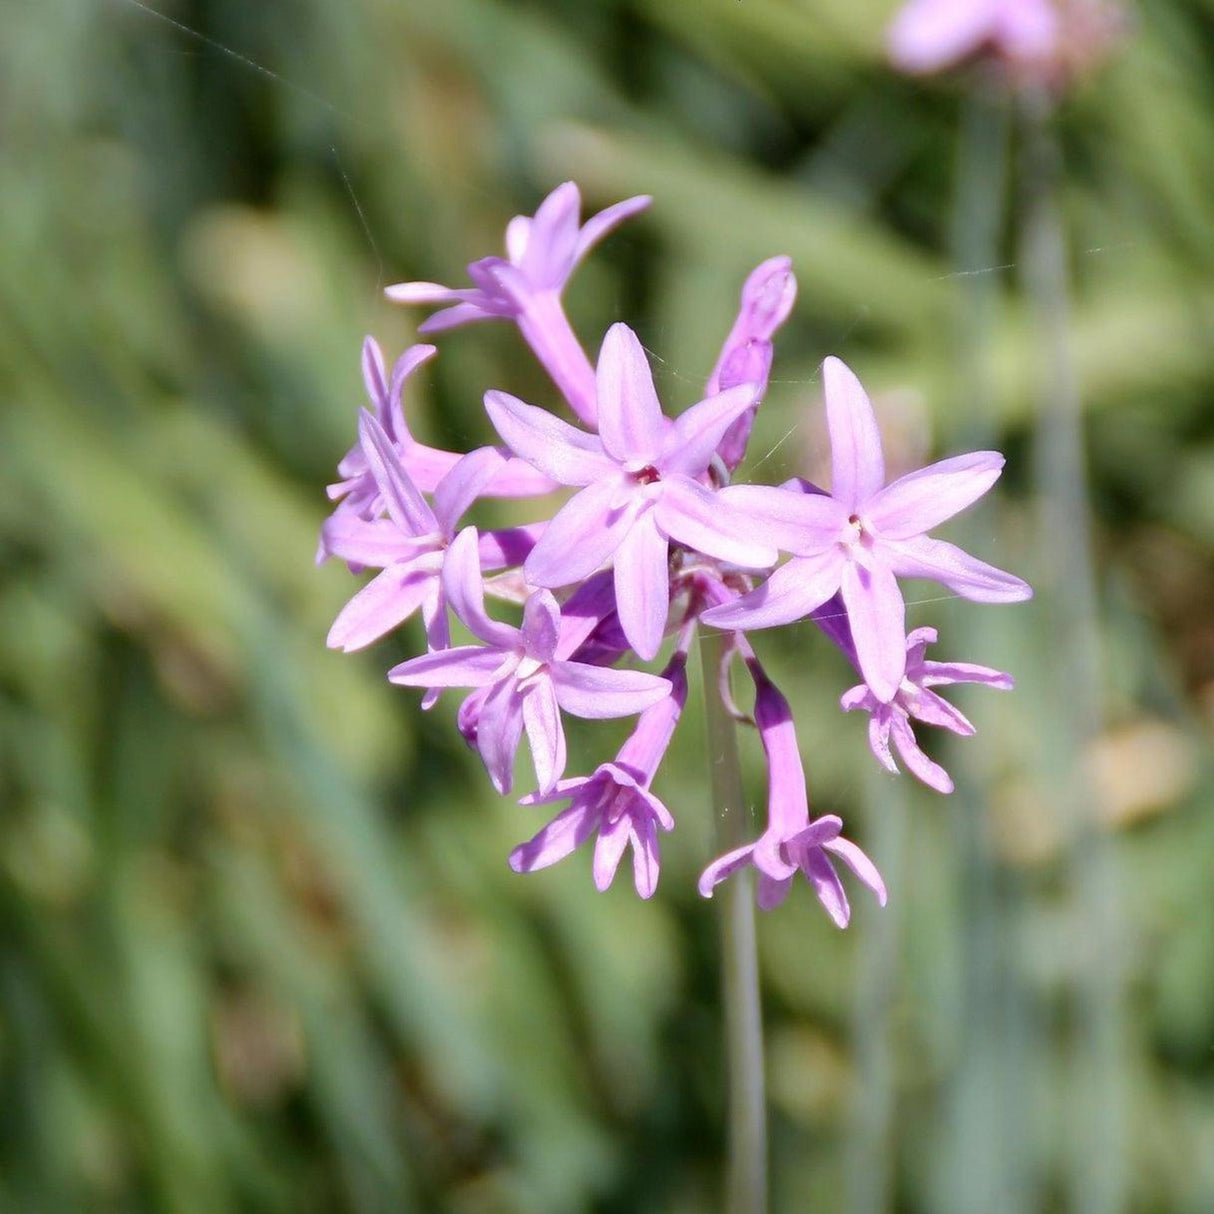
x: 358, y: 493
x: 615, y: 803
x: 526, y: 684
x: 1036, y: 41
x: 864, y: 535
x: 791, y: 842
x: 409, y: 544
x: 916, y: 701
x: 639, y: 487
x: 526, y: 285
x: 652, y: 541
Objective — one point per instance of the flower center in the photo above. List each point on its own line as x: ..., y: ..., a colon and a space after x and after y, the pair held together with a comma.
x: 646, y: 475
x: 527, y: 667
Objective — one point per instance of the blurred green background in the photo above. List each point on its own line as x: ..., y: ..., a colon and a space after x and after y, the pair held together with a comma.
x: 260, y: 947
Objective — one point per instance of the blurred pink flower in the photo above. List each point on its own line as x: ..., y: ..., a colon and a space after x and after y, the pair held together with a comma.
x: 1037, y: 41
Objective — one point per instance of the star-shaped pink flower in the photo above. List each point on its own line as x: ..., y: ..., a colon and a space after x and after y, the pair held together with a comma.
x: 917, y: 701
x: 410, y: 543
x: 542, y: 253
x: 526, y: 285
x: 639, y: 487
x: 864, y: 535
x: 359, y: 493
x: 525, y: 684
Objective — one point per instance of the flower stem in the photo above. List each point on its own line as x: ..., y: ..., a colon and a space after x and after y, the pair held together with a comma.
x: 746, y: 1186
x: 989, y: 1023
x: 1097, y: 1172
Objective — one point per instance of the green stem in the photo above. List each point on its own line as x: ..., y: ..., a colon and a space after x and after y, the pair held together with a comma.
x: 746, y: 1187
x: 1097, y: 1172
x: 989, y: 1026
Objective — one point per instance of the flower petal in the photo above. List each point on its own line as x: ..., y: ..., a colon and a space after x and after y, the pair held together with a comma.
x: 552, y: 238
x: 556, y: 840
x: 381, y: 605
x: 931, y: 709
x: 963, y: 574
x: 518, y: 233
x: 518, y: 478
x: 801, y: 523
x: 928, y: 35
x: 917, y: 763
x: 642, y: 586
x: 630, y: 417
x: 542, y: 719
x: 791, y: 593
x: 723, y: 867
x: 644, y: 856
x: 562, y: 790
x: 860, y: 864
x: 584, y: 533
x: 878, y: 734
x: 376, y: 543
x: 499, y: 549
x: 598, y: 226
x: 697, y: 517
x: 498, y: 733
x: 483, y: 471
x: 421, y: 293
x: 856, y: 460
x: 613, y: 838
x: 650, y: 807
x: 541, y: 625
x: 465, y: 590
x: 688, y: 446
x: 585, y: 610
x: 405, y: 503
x: 375, y: 376
x: 599, y: 692
x: 772, y: 891
x: 463, y: 666
x: 877, y: 616
x: 560, y: 451
x: 392, y: 412
x: 452, y: 318
x: 919, y: 501
x: 940, y: 674
x: 827, y: 886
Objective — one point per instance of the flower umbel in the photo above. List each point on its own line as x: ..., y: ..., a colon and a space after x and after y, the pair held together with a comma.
x: 652, y: 542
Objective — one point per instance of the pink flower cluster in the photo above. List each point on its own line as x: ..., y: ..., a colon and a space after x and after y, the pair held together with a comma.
x: 653, y: 542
